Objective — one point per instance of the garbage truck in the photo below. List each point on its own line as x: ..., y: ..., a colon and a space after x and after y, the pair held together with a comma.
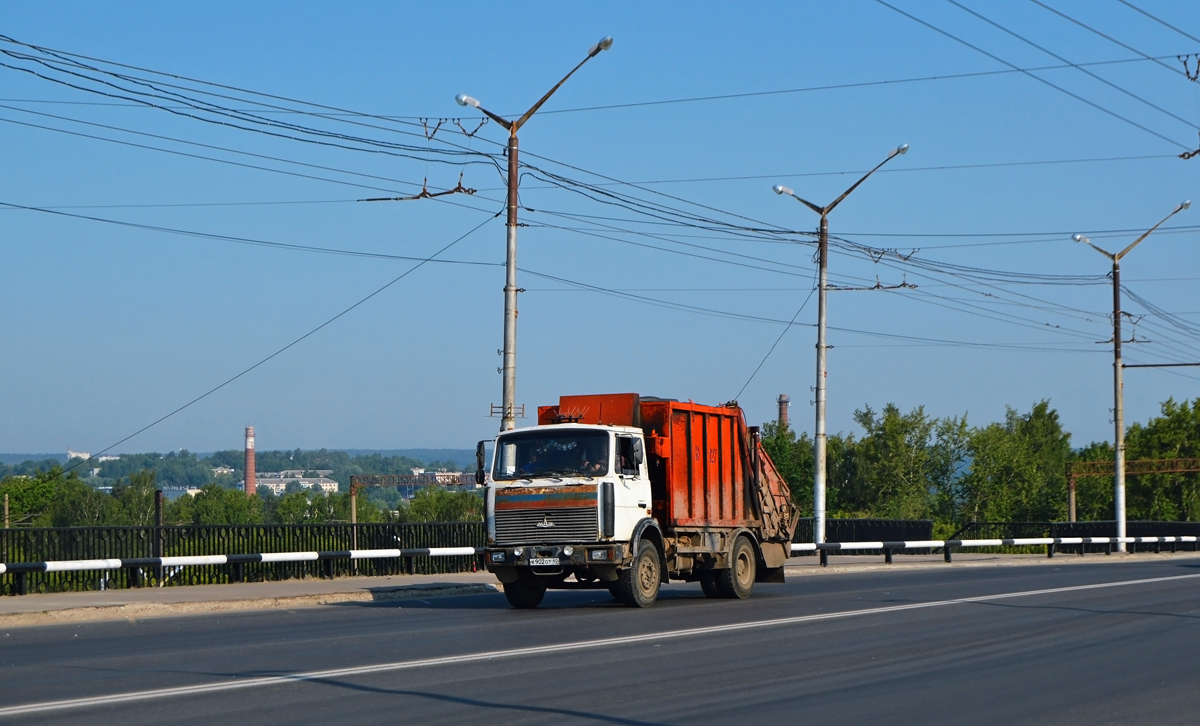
x: 626, y: 493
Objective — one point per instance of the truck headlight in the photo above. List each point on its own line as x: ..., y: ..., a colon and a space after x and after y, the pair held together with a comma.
x: 568, y: 550
x: 498, y: 557
x: 599, y: 555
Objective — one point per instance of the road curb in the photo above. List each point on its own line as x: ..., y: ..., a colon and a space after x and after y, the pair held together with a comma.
x: 135, y: 611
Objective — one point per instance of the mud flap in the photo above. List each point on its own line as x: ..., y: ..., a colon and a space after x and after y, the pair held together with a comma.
x: 772, y: 575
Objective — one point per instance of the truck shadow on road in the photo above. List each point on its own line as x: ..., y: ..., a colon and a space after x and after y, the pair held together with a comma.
x: 494, y: 707
x: 555, y: 600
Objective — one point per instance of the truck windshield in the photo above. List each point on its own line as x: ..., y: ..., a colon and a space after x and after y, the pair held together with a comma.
x: 532, y: 454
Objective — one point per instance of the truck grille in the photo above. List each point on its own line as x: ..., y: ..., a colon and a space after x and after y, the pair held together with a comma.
x: 571, y: 524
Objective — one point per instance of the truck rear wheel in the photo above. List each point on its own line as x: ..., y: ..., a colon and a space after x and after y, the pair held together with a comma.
x: 637, y: 586
x: 527, y: 592
x: 738, y: 581
x: 708, y: 583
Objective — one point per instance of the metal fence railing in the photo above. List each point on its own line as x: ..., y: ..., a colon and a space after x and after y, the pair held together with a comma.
x: 1031, y: 530
x: 93, y: 543
x: 867, y: 530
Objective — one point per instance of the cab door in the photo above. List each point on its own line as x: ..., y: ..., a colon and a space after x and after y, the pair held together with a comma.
x: 632, y: 492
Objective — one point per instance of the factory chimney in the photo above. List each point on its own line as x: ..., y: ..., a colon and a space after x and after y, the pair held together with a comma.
x: 250, y: 485
x: 783, y: 402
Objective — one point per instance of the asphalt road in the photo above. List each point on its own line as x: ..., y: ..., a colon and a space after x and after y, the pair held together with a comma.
x: 870, y: 648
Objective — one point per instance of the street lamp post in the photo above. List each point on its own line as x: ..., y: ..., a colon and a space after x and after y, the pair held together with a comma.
x: 819, y: 437
x: 508, y: 405
x: 1118, y: 369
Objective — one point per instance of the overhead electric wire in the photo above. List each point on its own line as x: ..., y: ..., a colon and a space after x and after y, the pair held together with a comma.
x: 213, y: 147
x: 290, y: 345
x: 1037, y: 78
x: 782, y: 333
x: 243, y: 240
x: 1052, y: 54
x: 1109, y: 38
x: 1160, y: 21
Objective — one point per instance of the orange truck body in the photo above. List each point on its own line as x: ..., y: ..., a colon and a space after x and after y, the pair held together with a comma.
x: 702, y: 462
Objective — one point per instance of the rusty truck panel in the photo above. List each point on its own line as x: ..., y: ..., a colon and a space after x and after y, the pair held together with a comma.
x: 611, y: 409
x: 706, y: 471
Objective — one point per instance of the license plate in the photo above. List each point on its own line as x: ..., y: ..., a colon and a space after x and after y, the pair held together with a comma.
x: 544, y: 562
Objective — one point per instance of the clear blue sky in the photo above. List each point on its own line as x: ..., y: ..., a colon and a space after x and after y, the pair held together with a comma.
x: 107, y: 328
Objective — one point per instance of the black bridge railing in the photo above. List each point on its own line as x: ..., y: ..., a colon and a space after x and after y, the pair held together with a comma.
x: 95, y: 543
x: 868, y: 530
x: 1022, y: 530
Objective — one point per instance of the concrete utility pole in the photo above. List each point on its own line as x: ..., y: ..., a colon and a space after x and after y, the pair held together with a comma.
x: 508, y: 404
x: 819, y: 437
x: 1118, y: 369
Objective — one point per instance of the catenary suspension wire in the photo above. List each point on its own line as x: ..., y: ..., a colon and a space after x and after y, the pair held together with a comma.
x: 1037, y: 78
x: 292, y: 344
x: 1052, y: 54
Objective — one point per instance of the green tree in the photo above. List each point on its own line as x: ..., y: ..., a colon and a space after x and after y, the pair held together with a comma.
x: 436, y: 504
x: 29, y: 496
x: 1017, y: 469
x: 1173, y: 435
x: 78, y: 505
x: 214, y: 504
x: 135, y: 499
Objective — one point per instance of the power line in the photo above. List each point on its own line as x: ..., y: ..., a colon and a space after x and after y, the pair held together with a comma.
x: 244, y: 240
x: 292, y: 344
x: 1037, y: 78
x: 1109, y: 38
x: 834, y: 87
x: 1056, y: 56
x: 782, y: 333
x: 1189, y: 36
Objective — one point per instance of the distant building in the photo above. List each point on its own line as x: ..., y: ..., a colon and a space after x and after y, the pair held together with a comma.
x: 297, y: 473
x: 107, y: 457
x: 222, y: 470
x: 278, y: 483
x: 77, y: 454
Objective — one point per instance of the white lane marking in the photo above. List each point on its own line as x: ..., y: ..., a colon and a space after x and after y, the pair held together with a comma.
x: 540, y: 649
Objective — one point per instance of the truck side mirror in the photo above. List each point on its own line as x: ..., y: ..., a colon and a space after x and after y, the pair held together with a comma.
x: 480, y: 474
x: 638, y: 453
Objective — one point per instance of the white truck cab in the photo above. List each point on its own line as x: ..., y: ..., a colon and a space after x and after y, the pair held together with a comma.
x: 565, y: 499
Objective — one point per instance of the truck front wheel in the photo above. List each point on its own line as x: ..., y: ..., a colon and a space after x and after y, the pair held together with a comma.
x: 738, y: 581
x: 637, y: 586
x: 527, y: 592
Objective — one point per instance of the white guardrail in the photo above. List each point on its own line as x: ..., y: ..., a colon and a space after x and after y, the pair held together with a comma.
x: 947, y: 546
x: 193, y: 560
x: 888, y: 547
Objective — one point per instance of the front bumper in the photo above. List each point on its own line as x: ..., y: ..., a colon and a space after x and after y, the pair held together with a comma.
x: 555, y: 558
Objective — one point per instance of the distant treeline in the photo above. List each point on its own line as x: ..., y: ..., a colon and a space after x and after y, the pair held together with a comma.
x: 56, y: 499
x: 184, y: 470
x: 912, y: 466
x: 46, y: 494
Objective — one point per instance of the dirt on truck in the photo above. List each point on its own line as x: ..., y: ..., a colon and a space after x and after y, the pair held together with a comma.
x: 626, y: 492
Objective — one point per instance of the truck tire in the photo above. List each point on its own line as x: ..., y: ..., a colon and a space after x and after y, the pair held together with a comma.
x: 738, y: 581
x: 527, y: 592
x: 637, y: 585
x: 708, y: 583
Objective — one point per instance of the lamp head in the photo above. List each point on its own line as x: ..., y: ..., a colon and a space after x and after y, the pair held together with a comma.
x: 781, y: 189
x: 604, y: 44
x: 1080, y: 238
x: 1187, y: 203
x: 901, y: 149
x: 465, y: 100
